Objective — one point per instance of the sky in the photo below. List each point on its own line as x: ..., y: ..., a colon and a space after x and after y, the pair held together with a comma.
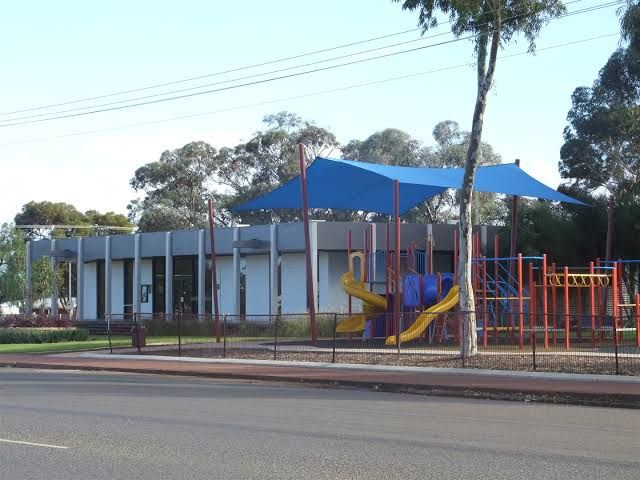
x: 66, y: 50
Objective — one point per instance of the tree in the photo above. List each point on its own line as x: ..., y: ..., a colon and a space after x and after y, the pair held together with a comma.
x: 395, y: 147
x: 489, y: 24
x: 60, y: 213
x: 13, y: 273
x: 270, y: 159
x: 175, y: 189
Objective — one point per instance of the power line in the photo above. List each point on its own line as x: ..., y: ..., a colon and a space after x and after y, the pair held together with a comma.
x: 281, y: 77
x: 311, y: 94
x: 230, y: 71
x: 214, y: 74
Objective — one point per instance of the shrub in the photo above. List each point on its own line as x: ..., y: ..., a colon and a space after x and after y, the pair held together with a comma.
x: 33, y: 321
x: 43, y: 335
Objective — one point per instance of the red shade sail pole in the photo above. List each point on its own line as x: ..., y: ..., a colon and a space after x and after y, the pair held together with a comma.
x: 214, y: 273
x: 396, y: 225
x: 311, y: 303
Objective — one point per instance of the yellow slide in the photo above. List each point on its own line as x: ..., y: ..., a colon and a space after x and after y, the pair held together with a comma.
x: 423, y: 321
x: 373, y: 303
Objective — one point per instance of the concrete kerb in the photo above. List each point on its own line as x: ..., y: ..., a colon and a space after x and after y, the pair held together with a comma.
x: 363, y: 367
x: 593, y: 390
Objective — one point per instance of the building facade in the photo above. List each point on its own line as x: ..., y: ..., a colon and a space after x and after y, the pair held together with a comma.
x: 260, y: 269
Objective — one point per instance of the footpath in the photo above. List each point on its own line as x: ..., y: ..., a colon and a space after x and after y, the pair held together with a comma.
x: 602, y: 390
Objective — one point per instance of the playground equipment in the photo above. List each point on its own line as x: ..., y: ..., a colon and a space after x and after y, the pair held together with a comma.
x: 520, y: 300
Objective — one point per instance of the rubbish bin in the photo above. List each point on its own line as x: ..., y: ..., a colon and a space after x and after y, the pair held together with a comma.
x: 138, y: 336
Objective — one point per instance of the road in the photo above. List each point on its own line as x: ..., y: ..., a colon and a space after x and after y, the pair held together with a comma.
x: 111, y: 426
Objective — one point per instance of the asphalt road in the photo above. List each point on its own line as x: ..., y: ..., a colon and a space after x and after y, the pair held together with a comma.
x: 122, y: 426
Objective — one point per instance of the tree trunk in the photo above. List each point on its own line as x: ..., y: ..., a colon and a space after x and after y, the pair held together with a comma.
x: 469, y: 334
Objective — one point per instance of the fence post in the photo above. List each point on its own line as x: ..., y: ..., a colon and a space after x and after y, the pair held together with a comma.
x: 615, y: 345
x: 109, y: 333
x: 224, y: 337
x: 137, y: 331
x: 335, y: 325
x: 275, y: 340
x: 180, y: 334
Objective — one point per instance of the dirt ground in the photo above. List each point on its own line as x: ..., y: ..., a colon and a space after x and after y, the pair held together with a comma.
x: 519, y: 362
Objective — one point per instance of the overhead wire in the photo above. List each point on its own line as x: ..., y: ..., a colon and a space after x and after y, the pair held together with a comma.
x: 12, y: 121
x: 98, y: 109
x: 307, y: 95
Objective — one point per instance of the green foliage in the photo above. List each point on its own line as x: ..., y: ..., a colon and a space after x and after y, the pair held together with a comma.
x: 602, y: 140
x: 42, y: 335
x: 13, y: 270
x: 60, y: 213
x: 478, y: 18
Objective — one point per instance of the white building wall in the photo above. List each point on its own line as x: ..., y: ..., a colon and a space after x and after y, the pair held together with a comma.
x: 117, y: 290
x: 332, y: 266
x: 146, y: 278
x: 224, y: 267
x: 257, y: 285
x: 90, y: 308
x: 293, y: 283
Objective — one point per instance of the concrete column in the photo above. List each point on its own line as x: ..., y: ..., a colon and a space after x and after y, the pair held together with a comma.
x: 313, y: 233
x: 168, y: 275
x: 80, y: 281
x: 137, y: 274
x: 54, y: 283
x: 236, y: 272
x: 107, y: 277
x: 483, y: 239
x: 28, y: 281
x: 273, y: 269
x: 202, y: 269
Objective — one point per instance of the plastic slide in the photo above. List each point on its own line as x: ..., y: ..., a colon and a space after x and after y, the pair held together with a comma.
x: 423, y: 321
x: 372, y: 303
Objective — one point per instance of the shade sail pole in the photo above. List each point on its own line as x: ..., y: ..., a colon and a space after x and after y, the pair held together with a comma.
x: 311, y: 303
x: 396, y: 226
x: 214, y: 273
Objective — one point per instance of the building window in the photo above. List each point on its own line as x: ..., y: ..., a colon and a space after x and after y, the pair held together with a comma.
x: 100, y: 288
x: 128, y: 288
x: 185, y: 285
x: 157, y: 267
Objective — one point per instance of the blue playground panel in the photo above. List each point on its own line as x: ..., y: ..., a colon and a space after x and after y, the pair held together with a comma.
x: 411, y: 288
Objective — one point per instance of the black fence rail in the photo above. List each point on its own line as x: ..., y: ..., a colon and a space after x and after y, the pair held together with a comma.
x: 583, y: 345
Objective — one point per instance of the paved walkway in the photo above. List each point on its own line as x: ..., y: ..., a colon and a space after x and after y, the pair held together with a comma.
x: 566, y: 388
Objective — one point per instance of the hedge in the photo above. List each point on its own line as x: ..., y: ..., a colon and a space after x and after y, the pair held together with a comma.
x: 43, y: 335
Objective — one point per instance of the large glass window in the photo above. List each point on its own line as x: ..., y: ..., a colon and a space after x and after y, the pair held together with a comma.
x: 185, y: 285
x: 158, y: 284
x: 100, y: 288
x: 128, y: 287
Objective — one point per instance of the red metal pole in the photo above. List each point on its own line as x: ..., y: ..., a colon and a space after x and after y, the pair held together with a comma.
x: 579, y: 307
x: 638, y: 319
x: 567, y: 326
x: 599, y: 300
x: 496, y: 274
x: 311, y: 304
x: 484, y: 301
x: 520, y: 303
x: 214, y: 273
x: 365, y: 250
x: 545, y: 302
x: 554, y: 303
x: 348, y: 257
x: 387, y: 269
x: 621, y: 294
x: 396, y: 220
x: 532, y: 303
x: 592, y: 302
x: 615, y: 298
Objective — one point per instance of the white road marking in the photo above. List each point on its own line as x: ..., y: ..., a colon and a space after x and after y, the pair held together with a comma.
x: 18, y: 442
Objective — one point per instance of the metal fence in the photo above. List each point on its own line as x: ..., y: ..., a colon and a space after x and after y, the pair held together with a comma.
x: 594, y: 345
